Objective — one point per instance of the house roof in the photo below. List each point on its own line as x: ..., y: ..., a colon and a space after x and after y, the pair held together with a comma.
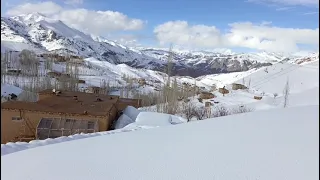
x: 80, y: 95
x: 126, y: 100
x: 65, y: 103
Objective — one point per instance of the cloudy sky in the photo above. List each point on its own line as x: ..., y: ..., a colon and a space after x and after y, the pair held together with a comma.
x: 240, y: 25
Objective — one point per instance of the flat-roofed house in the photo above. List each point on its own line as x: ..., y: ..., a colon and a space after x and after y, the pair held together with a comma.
x: 59, y: 113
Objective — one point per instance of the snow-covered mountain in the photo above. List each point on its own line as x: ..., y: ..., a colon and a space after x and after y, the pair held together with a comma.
x: 43, y: 34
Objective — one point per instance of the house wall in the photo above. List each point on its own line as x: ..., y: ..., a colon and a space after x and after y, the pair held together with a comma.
x: 112, y: 117
x: 11, y: 129
x: 238, y: 86
x: 122, y: 103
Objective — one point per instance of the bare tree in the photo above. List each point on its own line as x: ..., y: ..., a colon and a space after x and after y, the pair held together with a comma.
x: 4, y: 64
x: 220, y: 111
x: 169, y: 65
x: 286, y: 92
x: 275, y: 95
x: 29, y: 62
x: 200, y: 113
x: 104, y: 87
x: 241, y: 109
x: 48, y: 65
x: 121, y: 93
x: 188, y: 110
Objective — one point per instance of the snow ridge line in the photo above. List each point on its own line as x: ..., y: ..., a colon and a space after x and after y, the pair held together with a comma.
x: 20, y: 146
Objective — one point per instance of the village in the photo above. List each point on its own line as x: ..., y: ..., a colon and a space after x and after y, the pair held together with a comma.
x: 59, y: 113
x: 61, y: 103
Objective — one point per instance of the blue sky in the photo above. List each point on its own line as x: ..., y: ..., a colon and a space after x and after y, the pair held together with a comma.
x: 286, y: 18
x: 210, y: 12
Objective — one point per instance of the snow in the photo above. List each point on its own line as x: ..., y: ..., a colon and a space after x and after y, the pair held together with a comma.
x: 40, y: 33
x: 301, y: 78
x: 131, y: 112
x: 177, y: 120
x: 123, y: 121
x: 132, y: 118
x: 19, y: 146
x: 223, y: 79
x: 153, y: 119
x: 273, y: 144
x: 17, y: 46
x: 7, y: 89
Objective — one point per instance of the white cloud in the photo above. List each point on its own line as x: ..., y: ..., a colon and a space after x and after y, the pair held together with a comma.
x: 311, y: 13
x: 47, y: 8
x: 314, y: 3
x: 99, y: 22
x: 244, y: 34
x: 181, y: 33
x: 284, y: 8
x: 95, y: 22
x: 73, y: 2
x: 261, y: 36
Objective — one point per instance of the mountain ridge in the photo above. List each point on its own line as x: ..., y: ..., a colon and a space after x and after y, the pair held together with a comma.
x: 45, y: 34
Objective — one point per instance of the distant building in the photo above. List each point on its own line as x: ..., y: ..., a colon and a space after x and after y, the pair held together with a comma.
x: 223, y: 90
x: 257, y: 97
x: 94, y: 89
x: 60, y: 113
x: 236, y: 86
x: 206, y: 95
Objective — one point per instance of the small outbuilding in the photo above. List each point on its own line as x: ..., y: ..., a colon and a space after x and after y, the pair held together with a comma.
x: 236, y: 86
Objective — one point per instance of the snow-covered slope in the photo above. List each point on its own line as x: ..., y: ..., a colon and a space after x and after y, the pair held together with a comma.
x: 46, y: 34
x: 42, y: 34
x: 274, y: 144
x: 273, y: 79
x: 7, y: 89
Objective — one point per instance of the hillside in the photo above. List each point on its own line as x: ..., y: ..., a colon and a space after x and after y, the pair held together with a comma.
x: 266, y: 82
x: 303, y: 80
x: 42, y: 34
x: 272, y: 79
x: 273, y: 144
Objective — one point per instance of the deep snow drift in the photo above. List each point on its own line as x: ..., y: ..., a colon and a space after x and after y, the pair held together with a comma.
x: 274, y: 144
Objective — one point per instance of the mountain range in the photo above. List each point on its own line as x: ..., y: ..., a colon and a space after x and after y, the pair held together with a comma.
x: 42, y: 34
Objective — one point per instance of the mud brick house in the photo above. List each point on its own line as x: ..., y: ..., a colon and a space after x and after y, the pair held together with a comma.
x: 236, y: 86
x: 60, y: 113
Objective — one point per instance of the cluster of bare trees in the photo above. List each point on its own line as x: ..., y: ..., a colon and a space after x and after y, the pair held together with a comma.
x: 104, y: 87
x: 170, y: 94
x: 169, y: 97
x: 191, y: 111
x: 24, y: 71
x: 28, y: 63
x: 70, y: 79
x: 3, y: 67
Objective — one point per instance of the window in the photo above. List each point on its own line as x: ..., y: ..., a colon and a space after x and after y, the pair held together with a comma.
x: 90, y: 125
x: 16, y: 118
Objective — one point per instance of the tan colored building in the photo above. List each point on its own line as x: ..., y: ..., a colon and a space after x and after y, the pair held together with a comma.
x: 23, y: 121
x: 223, y: 91
x: 94, y: 89
x: 236, y: 86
